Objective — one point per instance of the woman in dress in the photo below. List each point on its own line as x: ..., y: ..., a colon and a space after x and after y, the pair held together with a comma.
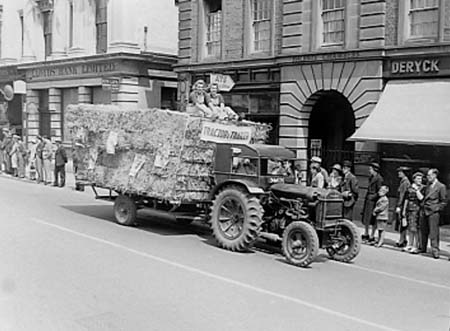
x: 336, y: 178
x: 413, y: 200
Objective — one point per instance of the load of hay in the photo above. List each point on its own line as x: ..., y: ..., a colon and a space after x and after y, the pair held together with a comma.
x: 152, y: 152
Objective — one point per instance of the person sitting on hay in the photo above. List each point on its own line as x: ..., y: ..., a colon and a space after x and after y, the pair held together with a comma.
x: 217, y: 105
x: 198, y: 101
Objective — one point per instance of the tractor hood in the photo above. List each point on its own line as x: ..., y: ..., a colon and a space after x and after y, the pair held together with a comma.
x: 294, y: 191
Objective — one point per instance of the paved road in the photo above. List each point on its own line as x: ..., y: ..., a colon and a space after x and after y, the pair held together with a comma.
x: 67, y: 266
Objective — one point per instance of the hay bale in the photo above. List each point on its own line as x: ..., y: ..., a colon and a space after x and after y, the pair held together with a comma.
x: 153, y: 152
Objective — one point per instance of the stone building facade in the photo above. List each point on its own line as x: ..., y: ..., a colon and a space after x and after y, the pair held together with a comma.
x: 86, y: 51
x: 314, y: 69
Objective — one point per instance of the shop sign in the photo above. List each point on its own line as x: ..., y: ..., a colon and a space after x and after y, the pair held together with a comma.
x: 70, y: 70
x: 225, y: 82
x: 415, y: 66
x: 111, y: 84
x: 228, y: 134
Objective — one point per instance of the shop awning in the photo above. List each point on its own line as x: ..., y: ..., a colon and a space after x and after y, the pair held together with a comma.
x: 410, y: 112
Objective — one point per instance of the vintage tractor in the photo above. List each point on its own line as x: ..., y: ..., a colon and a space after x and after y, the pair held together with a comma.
x: 254, y: 198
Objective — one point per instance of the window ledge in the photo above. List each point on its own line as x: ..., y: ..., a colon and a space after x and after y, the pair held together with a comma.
x: 418, y: 40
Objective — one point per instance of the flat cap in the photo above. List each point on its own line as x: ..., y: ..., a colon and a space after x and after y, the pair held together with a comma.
x: 316, y: 159
x: 375, y: 165
x: 347, y: 164
x: 417, y: 174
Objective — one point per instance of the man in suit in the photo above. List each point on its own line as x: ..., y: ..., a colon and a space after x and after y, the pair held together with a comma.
x: 60, y: 164
x: 402, y: 189
x: 434, y: 202
x: 350, y: 190
x: 375, y: 183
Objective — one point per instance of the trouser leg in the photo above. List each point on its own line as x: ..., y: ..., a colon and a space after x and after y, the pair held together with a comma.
x: 62, y: 172
x: 423, y: 233
x: 433, y: 224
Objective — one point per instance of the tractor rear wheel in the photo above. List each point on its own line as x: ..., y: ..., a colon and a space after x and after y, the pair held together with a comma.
x: 236, y: 219
x: 125, y: 210
x: 300, y: 244
x: 347, y: 242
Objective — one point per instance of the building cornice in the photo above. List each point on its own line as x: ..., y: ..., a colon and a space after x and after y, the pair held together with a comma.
x: 147, y: 57
x: 285, y: 59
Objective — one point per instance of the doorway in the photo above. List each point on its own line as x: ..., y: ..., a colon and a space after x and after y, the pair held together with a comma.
x: 331, y: 122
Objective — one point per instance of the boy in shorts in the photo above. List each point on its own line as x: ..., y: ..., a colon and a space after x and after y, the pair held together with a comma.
x: 381, y: 213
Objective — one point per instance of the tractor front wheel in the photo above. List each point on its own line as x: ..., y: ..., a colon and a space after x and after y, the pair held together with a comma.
x: 236, y: 219
x: 346, y: 242
x: 300, y: 244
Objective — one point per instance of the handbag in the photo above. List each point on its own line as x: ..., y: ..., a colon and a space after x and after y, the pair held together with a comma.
x: 404, y: 222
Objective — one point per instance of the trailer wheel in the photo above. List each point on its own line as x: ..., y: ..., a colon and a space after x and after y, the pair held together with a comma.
x: 125, y: 210
x: 236, y: 219
x: 300, y: 244
x: 346, y: 242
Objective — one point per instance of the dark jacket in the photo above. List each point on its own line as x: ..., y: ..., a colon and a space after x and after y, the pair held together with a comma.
x: 375, y: 182
x: 402, y: 189
x: 435, y: 198
x: 60, y: 157
x: 350, y: 185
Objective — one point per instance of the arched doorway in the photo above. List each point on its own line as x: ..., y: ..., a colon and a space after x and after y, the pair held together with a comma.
x: 331, y: 122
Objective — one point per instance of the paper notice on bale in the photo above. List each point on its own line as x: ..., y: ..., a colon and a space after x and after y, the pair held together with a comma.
x: 111, y: 142
x: 228, y: 134
x: 138, y: 162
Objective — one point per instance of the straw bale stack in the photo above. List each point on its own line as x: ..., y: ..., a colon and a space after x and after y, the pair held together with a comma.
x: 151, y: 152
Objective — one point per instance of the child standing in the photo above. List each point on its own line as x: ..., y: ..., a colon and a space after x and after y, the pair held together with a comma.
x: 381, y: 213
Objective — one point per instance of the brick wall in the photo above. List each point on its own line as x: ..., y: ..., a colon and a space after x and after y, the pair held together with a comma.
x: 391, y: 22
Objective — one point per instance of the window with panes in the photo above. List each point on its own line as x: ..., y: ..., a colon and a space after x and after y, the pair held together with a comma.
x: 101, y: 26
x: 213, y: 11
x: 333, y: 21
x: 424, y: 18
x: 47, y: 25
x: 261, y: 24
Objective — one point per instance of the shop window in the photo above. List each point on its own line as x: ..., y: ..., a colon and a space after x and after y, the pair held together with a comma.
x: 424, y: 18
x: 47, y: 25
x: 101, y: 26
x: 261, y: 14
x: 213, y: 27
x: 333, y: 22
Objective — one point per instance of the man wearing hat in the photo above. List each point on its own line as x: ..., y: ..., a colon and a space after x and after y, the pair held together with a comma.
x: 317, y: 161
x: 375, y: 183
x: 2, y: 149
x: 401, y: 194
x: 350, y: 190
x: 60, y: 164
